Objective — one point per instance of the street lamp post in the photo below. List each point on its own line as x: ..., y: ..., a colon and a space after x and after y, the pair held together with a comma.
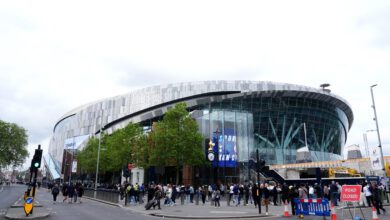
x: 71, y: 161
x: 379, y: 137
x: 377, y: 126
x: 217, y: 132
x: 98, y: 156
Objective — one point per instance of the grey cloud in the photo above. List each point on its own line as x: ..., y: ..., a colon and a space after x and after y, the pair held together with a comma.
x: 378, y: 22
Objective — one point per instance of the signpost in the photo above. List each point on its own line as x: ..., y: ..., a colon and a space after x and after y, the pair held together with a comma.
x: 351, y: 193
x: 29, y: 195
x: 28, y: 205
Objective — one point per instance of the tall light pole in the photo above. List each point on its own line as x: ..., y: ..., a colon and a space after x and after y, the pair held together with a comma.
x: 71, y: 161
x: 98, y: 156
x: 216, y: 174
x: 377, y: 126
x: 379, y: 138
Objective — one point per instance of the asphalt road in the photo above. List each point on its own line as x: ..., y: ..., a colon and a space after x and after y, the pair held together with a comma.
x: 64, y: 211
x: 88, y: 209
x: 8, y: 197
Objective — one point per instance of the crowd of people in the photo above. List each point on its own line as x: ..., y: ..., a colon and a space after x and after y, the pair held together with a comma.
x: 72, y: 193
x: 234, y: 194
x: 245, y: 194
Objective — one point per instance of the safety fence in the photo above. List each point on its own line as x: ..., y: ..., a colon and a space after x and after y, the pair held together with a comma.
x: 318, y: 207
x: 108, y: 195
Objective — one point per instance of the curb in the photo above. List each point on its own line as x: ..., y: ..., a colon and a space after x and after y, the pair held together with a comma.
x: 181, y: 217
x: 359, y: 206
x: 213, y: 217
x: 39, y: 216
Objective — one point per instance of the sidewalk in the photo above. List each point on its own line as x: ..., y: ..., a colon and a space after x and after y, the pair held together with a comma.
x: 207, y: 211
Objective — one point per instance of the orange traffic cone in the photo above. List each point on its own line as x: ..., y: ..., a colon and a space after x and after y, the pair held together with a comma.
x: 374, y: 214
x: 286, y: 214
x: 333, y: 215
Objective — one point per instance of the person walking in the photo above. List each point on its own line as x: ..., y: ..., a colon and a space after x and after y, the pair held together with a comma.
x: 246, y: 194
x: 376, y: 198
x: 231, y: 193
x: 216, y: 196
x: 334, y: 193
x: 311, y: 192
x: 65, y: 192
x: 55, y: 191
x: 284, y: 193
x: 274, y: 194
x: 174, y: 194
x: 292, y: 194
x: 368, y: 194
x: 80, y: 191
x: 326, y: 192
x: 265, y: 194
x: 70, y: 192
x: 302, y: 192
x: 255, y: 196
x: 157, y: 197
x: 203, y: 193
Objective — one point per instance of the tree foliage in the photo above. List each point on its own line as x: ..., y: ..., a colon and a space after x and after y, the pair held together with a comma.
x: 13, y: 142
x: 126, y: 145
x: 176, y: 140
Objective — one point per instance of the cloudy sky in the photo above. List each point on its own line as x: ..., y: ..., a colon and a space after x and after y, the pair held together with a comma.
x: 55, y: 56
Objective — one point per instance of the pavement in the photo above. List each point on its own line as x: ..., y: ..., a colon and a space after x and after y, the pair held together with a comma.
x: 16, y: 211
x: 207, y: 211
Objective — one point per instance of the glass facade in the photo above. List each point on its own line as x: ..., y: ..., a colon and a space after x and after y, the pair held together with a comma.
x: 274, y: 126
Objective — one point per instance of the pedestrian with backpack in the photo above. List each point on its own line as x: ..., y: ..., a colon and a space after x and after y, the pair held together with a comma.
x: 55, y: 191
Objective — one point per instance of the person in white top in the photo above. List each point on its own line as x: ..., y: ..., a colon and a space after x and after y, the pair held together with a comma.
x: 368, y: 194
x: 311, y: 192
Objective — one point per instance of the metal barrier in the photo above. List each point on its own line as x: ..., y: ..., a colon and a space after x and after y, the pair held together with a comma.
x: 318, y: 207
x: 108, y: 195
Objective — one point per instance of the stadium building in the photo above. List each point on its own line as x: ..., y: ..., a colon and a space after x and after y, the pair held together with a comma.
x: 277, y: 119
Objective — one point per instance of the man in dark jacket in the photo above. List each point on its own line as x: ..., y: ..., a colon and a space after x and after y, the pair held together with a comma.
x: 254, y: 194
x: 376, y: 197
x: 151, y: 190
x: 334, y: 193
x: 292, y: 194
x: 284, y: 193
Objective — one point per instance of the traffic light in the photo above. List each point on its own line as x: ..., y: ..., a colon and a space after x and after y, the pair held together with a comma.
x: 36, y: 161
x: 126, y: 172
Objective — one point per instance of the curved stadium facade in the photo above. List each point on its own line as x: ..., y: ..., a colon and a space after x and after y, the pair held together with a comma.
x: 241, y: 116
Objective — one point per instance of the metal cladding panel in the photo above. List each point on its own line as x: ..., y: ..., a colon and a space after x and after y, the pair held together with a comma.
x: 156, y: 97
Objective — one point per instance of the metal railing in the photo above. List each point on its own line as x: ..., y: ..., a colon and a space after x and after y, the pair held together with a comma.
x: 108, y: 195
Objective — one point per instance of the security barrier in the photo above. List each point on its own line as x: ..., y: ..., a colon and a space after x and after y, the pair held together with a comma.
x: 103, y: 194
x: 318, y: 207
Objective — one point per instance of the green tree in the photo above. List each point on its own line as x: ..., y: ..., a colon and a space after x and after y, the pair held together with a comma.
x: 123, y: 146
x: 13, y: 142
x: 176, y: 140
x: 126, y: 145
x: 88, y: 156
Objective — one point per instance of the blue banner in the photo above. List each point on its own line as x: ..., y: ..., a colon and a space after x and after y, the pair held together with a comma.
x: 226, y: 149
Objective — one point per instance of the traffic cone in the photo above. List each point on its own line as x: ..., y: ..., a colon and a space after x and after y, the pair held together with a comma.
x: 374, y: 214
x: 286, y: 214
x: 333, y: 215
